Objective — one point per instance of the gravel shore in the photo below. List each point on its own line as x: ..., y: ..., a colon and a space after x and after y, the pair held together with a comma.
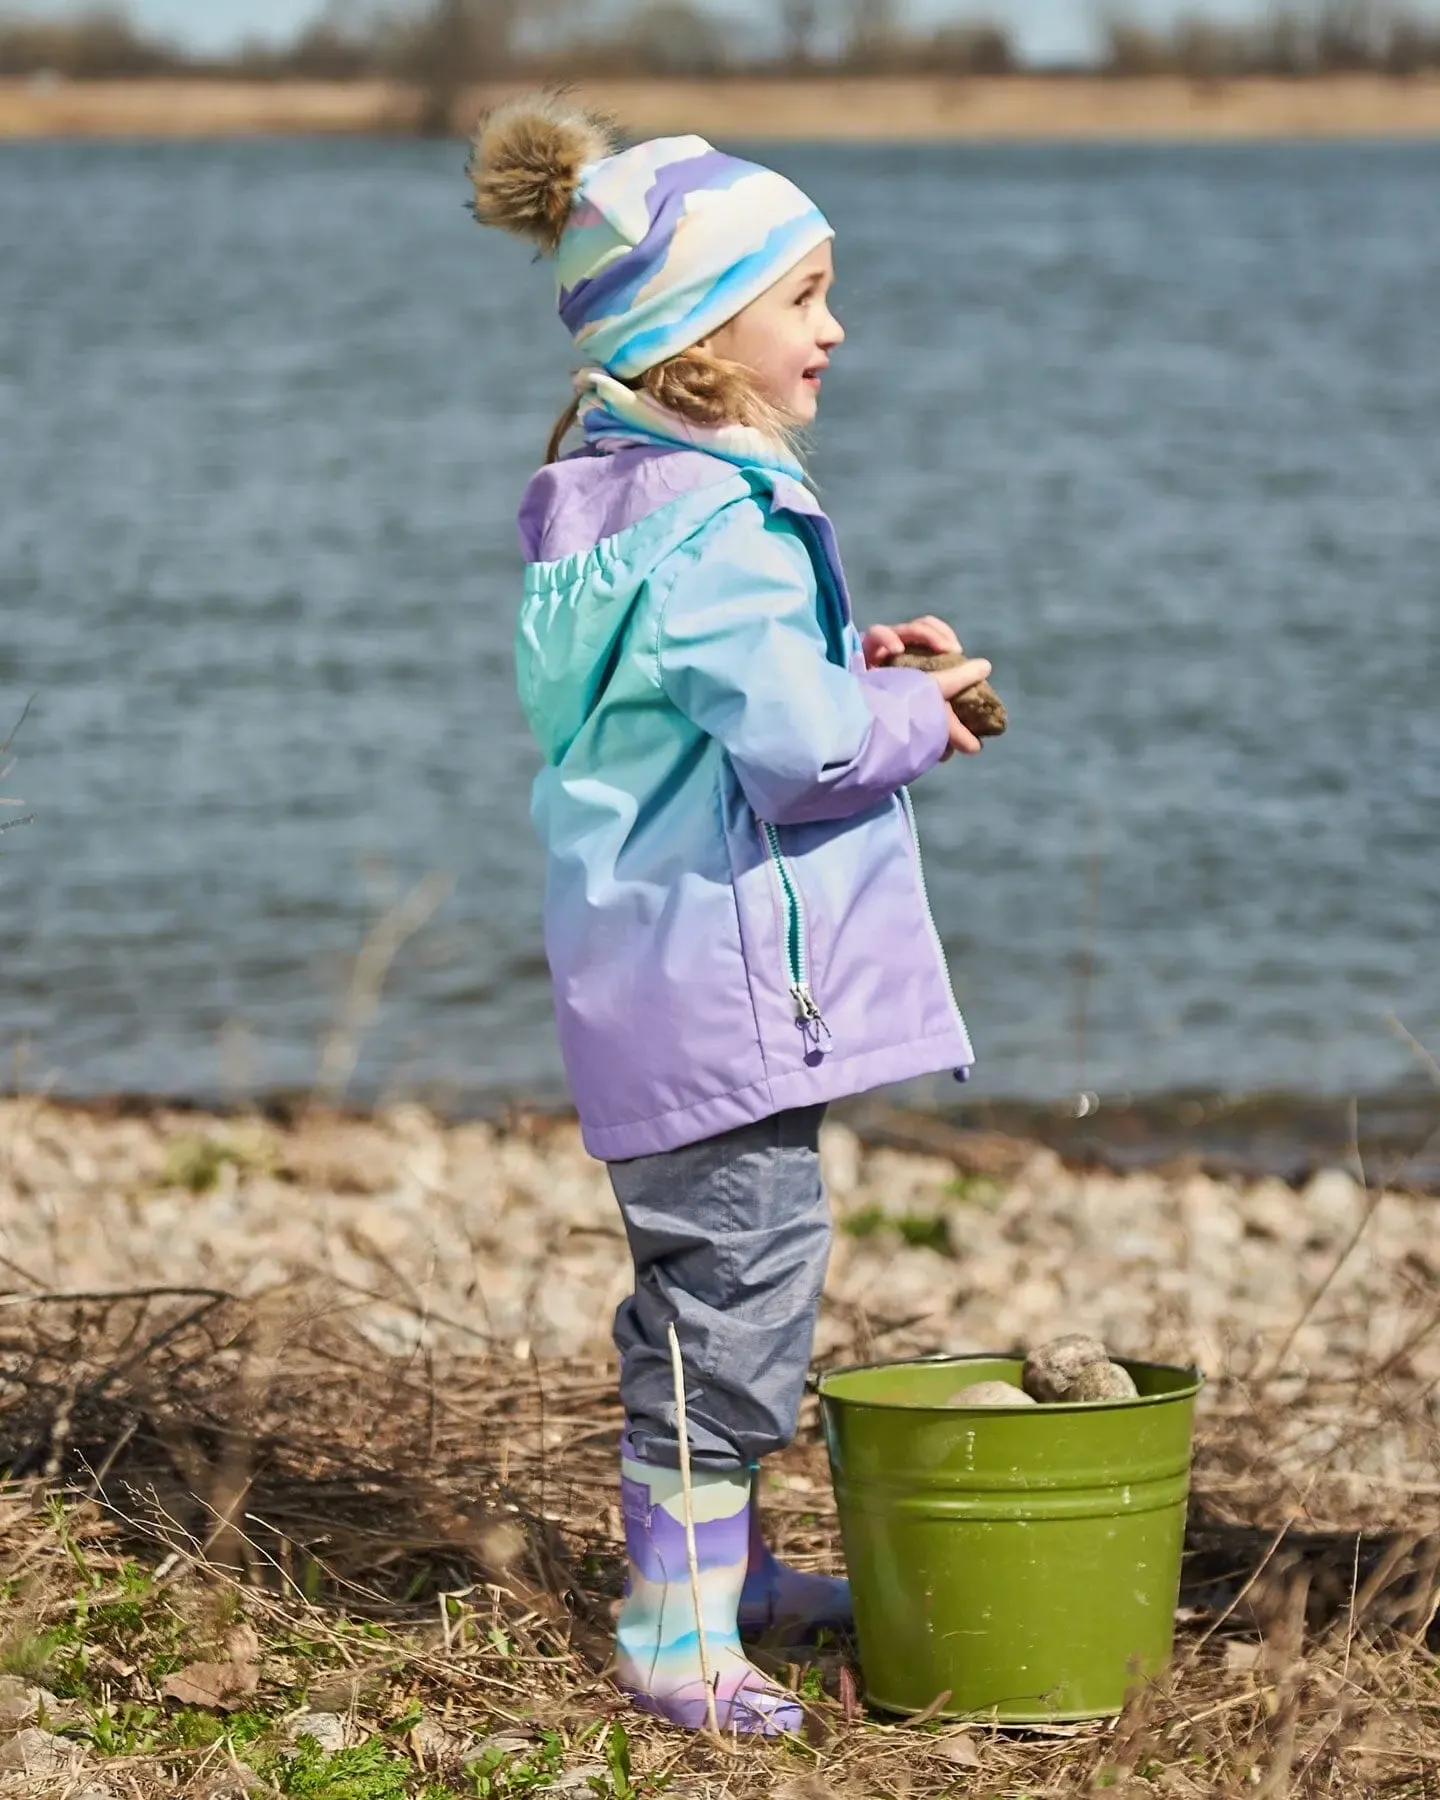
x: 454, y: 1235
x: 258, y: 1435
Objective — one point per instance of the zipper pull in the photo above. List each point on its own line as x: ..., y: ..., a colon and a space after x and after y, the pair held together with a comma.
x: 809, y: 1017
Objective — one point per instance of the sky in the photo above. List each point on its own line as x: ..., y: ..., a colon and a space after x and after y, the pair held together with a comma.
x: 1046, y: 30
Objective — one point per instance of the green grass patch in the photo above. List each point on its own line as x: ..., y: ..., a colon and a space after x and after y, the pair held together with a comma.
x: 505, y: 1775
x: 976, y: 1190
x: 921, y: 1231
x: 369, y: 1771
x: 126, y: 1728
x: 195, y: 1163
x: 104, y: 1638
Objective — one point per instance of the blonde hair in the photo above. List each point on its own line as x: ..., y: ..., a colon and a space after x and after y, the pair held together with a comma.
x: 702, y: 389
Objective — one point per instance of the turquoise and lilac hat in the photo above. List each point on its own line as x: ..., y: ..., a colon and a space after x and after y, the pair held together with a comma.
x: 669, y: 240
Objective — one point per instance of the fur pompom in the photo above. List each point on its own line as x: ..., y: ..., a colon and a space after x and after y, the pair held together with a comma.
x: 526, y: 163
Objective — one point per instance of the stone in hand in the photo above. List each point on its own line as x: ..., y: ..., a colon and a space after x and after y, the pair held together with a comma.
x: 979, y: 709
x: 1103, y: 1381
x: 1052, y: 1369
x: 990, y: 1393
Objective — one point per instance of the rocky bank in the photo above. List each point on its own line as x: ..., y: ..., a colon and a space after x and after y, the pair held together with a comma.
x: 458, y: 1234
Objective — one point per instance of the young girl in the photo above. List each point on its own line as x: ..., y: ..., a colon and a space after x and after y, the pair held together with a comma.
x: 735, y: 914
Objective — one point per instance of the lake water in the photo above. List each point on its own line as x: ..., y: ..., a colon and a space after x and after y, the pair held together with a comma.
x: 1158, y: 428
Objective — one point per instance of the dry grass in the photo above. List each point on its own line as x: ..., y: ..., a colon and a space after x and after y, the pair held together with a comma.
x: 343, y: 1504
x: 185, y: 1466
x: 875, y: 108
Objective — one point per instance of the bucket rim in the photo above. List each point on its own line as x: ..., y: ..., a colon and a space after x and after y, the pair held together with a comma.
x: 1196, y: 1381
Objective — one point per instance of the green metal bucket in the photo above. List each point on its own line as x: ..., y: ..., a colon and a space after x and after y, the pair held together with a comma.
x: 1021, y: 1564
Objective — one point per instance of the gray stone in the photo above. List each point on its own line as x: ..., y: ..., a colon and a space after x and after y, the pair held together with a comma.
x: 328, y: 1730
x: 1051, y: 1369
x: 236, y: 1783
x: 508, y: 1743
x: 576, y: 1780
x: 36, y: 1752
x: 436, y: 1747
x: 21, y: 1703
x: 1102, y: 1381
x: 990, y: 1393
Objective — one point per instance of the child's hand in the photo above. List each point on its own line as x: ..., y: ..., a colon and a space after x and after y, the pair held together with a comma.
x: 955, y: 681
x: 882, y: 642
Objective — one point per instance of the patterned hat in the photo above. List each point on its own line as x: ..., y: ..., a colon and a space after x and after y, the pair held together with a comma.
x: 669, y: 240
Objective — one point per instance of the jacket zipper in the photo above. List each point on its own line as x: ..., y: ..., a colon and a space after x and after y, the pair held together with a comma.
x: 909, y: 805
x: 797, y: 972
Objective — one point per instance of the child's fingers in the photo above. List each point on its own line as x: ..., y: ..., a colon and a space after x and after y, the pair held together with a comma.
x: 964, y: 675
x: 881, y: 643
x: 944, y: 632
x: 934, y: 633
x: 963, y: 739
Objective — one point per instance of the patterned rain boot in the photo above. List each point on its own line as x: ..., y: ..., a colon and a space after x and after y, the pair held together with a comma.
x: 782, y: 1603
x: 657, y: 1646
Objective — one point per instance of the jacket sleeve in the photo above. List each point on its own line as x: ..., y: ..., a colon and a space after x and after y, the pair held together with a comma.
x: 742, y: 655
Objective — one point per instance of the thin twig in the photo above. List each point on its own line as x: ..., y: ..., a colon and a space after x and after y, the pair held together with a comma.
x: 382, y: 945
x: 67, y: 1296
x: 692, y: 1554
x: 1422, y: 1055
x: 1372, y: 1203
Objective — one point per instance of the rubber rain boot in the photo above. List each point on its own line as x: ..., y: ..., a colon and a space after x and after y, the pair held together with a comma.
x: 656, y: 1642
x: 783, y: 1603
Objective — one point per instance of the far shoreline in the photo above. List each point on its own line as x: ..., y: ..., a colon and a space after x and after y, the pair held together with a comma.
x: 1035, y: 108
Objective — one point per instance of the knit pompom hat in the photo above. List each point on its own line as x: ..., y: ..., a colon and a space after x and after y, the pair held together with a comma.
x: 655, y: 247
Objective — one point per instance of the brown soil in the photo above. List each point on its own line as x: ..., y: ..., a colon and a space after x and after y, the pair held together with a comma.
x: 1016, y: 108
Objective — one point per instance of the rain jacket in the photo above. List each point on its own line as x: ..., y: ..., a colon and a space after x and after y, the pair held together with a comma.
x: 735, y: 913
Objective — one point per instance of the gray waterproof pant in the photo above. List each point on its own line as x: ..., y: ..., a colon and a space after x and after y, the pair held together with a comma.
x: 730, y: 1238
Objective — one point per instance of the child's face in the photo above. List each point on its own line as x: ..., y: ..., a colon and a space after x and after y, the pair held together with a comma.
x: 785, y: 337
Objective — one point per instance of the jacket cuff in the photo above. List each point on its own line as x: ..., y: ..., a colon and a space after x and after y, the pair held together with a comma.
x: 910, y: 725
x: 907, y: 734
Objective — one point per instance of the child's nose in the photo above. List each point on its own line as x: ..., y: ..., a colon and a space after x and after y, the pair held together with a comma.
x: 832, y: 332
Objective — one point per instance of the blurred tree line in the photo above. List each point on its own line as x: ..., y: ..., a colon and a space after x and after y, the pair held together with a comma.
x: 1288, y: 38
x: 96, y: 45
x: 443, y: 44
x: 483, y: 39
